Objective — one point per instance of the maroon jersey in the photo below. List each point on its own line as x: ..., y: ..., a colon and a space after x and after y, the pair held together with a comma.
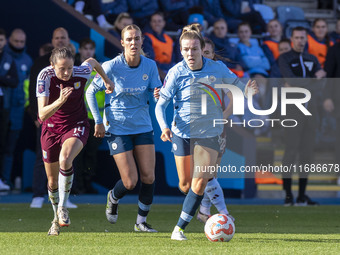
x: 73, y: 111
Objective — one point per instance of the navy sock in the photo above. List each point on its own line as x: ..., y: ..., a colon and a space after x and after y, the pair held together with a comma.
x: 190, y: 205
x: 119, y: 190
x: 145, y: 198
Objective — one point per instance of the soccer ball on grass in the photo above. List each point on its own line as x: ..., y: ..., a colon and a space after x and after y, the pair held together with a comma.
x: 219, y: 228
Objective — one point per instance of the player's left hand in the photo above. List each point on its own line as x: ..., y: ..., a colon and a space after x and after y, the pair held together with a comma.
x: 99, y: 130
x: 252, y: 86
x: 156, y: 93
x: 110, y: 86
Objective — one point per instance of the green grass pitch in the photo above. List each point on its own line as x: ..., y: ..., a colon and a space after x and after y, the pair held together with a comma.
x: 259, y: 230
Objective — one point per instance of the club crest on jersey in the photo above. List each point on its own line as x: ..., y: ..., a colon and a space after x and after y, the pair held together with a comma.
x: 145, y: 77
x: 41, y: 86
x: 212, y: 78
x: 77, y: 85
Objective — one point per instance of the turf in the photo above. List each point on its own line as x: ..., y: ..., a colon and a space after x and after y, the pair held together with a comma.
x: 259, y: 230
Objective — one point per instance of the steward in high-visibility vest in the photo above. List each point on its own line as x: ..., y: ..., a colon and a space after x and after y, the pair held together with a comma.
x: 318, y: 48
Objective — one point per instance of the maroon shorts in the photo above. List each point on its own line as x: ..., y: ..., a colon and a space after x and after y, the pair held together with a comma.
x: 51, y: 143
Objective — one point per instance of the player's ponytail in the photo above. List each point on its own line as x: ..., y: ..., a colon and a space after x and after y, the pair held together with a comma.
x: 192, y: 31
x: 60, y: 53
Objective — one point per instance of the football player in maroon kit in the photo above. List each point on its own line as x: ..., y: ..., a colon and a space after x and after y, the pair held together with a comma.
x: 65, y: 127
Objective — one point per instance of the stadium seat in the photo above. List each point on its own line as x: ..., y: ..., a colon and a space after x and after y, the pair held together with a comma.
x: 290, y: 24
x: 290, y: 17
x: 266, y: 12
x: 285, y: 13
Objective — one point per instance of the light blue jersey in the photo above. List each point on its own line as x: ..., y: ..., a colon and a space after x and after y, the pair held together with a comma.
x: 197, y: 101
x: 126, y: 109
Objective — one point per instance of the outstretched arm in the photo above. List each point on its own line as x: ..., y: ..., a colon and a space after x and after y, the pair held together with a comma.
x: 98, y: 68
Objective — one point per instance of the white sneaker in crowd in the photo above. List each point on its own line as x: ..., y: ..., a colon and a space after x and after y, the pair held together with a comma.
x: 4, y: 186
x: 70, y: 205
x: 37, y: 202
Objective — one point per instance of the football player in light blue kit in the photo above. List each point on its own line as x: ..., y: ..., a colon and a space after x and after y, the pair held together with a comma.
x: 128, y: 124
x: 194, y: 139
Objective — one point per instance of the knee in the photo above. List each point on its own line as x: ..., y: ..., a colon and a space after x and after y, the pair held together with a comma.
x: 53, y: 183
x: 65, y: 162
x: 147, y: 178
x: 199, y: 186
x: 184, y: 187
x: 130, y: 184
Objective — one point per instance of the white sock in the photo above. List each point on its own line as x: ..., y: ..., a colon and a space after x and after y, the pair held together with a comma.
x: 205, y: 204
x: 113, y: 199
x: 79, y: 6
x: 65, y: 184
x: 216, y: 196
x: 140, y: 219
x: 53, y: 196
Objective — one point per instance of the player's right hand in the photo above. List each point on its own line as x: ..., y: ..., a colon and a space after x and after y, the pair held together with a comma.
x: 166, y: 135
x: 65, y: 93
x: 99, y: 130
x: 110, y: 86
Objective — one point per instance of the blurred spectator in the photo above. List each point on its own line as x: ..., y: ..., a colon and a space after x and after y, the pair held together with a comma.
x: 253, y: 60
x: 176, y: 13
x: 236, y: 11
x: 212, y: 10
x: 45, y: 49
x: 223, y: 46
x: 141, y: 11
x: 331, y: 102
x: 335, y: 35
x: 60, y: 39
x: 121, y: 21
x: 92, y: 10
x: 86, y: 161
x: 270, y: 44
x: 112, y: 8
x: 158, y: 45
x: 87, y: 49
x: 297, y: 68
x: 16, y: 48
x: 8, y: 80
x: 319, y: 41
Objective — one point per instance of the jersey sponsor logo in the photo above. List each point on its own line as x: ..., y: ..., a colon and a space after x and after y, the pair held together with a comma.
x: 295, y: 65
x: 50, y: 125
x: 145, y: 77
x: 77, y: 85
x: 7, y: 66
x: 41, y: 86
x: 114, y: 146
x: 45, y: 154
x: 122, y: 78
x: 136, y: 89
